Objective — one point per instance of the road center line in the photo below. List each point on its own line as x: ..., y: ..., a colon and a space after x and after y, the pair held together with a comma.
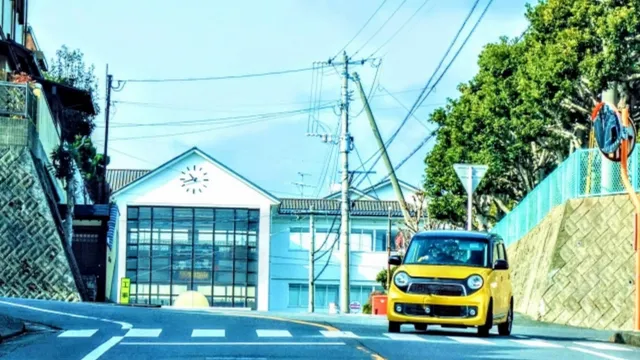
x: 124, y: 325
x: 604, y: 356
x: 103, y: 348
x: 233, y: 343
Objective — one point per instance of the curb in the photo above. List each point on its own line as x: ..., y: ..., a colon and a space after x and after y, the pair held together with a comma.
x: 8, y: 332
x: 627, y: 338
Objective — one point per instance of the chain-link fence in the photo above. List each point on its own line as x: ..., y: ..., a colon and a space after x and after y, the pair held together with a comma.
x: 17, y: 100
x: 585, y: 173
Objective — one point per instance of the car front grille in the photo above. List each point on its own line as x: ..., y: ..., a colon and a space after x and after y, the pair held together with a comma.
x: 437, y: 310
x: 436, y: 289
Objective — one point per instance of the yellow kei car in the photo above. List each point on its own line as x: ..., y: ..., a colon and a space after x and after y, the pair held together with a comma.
x: 452, y: 279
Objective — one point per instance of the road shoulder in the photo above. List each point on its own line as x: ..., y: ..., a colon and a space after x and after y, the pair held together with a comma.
x: 627, y: 338
x: 10, y: 327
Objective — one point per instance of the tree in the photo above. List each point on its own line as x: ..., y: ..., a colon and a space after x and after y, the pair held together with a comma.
x: 76, y: 151
x: 526, y: 109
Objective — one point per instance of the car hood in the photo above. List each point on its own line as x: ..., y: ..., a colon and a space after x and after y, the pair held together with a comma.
x: 440, y: 271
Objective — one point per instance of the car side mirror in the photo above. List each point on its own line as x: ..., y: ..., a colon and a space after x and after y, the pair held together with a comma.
x: 501, y: 265
x: 395, y: 260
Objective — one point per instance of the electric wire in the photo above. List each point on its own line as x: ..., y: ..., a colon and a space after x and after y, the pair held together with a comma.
x: 215, y: 78
x: 400, y: 28
x: 361, y: 28
x: 381, y: 27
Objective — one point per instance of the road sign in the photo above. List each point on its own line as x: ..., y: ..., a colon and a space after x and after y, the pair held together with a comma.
x: 470, y: 171
x: 354, y: 306
x: 125, y: 289
x: 470, y: 175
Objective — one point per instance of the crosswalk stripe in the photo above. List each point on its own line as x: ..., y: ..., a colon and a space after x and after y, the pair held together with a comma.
x: 536, y: 343
x: 78, y: 333
x: 338, y: 334
x: 470, y: 340
x: 404, y: 337
x: 143, y: 333
x: 207, y: 333
x: 601, y: 346
x: 273, y: 333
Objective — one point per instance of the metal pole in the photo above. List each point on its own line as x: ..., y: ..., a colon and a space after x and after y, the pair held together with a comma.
x: 345, y: 147
x: 105, y: 199
x: 312, y: 272
x: 470, y: 199
x: 389, y: 250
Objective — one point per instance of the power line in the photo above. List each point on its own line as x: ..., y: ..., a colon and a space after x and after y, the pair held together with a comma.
x: 423, y: 97
x: 362, y: 28
x: 381, y: 27
x: 215, y: 78
x: 401, y: 27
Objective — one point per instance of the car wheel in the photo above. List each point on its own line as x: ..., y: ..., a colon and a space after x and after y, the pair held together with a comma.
x: 483, y: 330
x: 505, y: 328
x: 394, y: 327
x: 420, y: 327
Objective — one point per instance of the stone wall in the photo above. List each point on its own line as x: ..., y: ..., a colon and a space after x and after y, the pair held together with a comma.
x: 577, y: 266
x: 34, y: 262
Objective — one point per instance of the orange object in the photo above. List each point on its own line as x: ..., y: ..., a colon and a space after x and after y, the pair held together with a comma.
x: 636, y: 202
x: 379, y: 305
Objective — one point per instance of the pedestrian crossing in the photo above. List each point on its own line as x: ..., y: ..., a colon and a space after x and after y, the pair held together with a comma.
x: 266, y: 334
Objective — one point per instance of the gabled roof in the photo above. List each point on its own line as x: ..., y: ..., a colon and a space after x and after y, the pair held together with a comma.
x: 293, y: 206
x: 119, y: 178
x: 133, y: 173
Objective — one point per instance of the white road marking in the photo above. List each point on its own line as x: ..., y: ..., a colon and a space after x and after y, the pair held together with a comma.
x: 143, y: 333
x: 273, y: 333
x: 604, y: 356
x: 338, y: 334
x: 207, y: 333
x: 537, y: 343
x: 124, y: 325
x: 78, y: 333
x: 470, y: 340
x: 601, y: 346
x: 103, y: 348
x: 405, y: 337
x: 234, y: 343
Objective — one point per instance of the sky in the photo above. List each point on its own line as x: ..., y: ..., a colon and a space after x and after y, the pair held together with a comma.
x: 163, y: 39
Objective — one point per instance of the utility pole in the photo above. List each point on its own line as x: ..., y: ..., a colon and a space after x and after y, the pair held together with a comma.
x: 389, y: 250
x: 345, y: 147
x: 105, y: 199
x: 312, y: 250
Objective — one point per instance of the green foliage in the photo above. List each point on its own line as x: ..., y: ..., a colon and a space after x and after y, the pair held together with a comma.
x: 527, y: 106
x: 366, y: 308
x: 381, y: 277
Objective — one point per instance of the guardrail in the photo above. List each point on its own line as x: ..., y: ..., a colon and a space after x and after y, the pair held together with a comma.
x: 583, y: 174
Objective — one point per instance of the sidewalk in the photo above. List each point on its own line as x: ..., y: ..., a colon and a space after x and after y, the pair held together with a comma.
x: 10, y: 327
x: 628, y: 338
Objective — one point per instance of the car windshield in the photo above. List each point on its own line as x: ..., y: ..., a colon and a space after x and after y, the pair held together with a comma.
x: 448, y: 251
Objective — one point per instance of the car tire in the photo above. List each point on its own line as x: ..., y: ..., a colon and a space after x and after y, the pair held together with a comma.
x: 483, y: 330
x: 420, y: 327
x: 394, y: 327
x: 504, y: 329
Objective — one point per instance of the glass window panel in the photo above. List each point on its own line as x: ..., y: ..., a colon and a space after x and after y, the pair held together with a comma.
x: 164, y: 300
x: 253, y: 254
x: 144, y: 263
x: 252, y: 279
x: 133, y: 288
x: 223, y: 301
x: 178, y: 289
x: 132, y: 264
x: 224, y: 220
x: 239, y: 291
x: 144, y: 231
x: 204, y: 226
x: 241, y: 253
x: 144, y: 213
x: 133, y: 299
x: 223, y: 278
x: 131, y: 274
x: 143, y: 299
x: 240, y: 277
x: 252, y: 266
x: 294, y: 294
x: 251, y: 291
x: 242, y: 220
x: 321, y: 296
x: 182, y: 261
x: 252, y: 240
x: 132, y: 213
x: 160, y: 250
x: 219, y: 291
x: 251, y: 303
x: 132, y: 251
x: 153, y: 289
x: 332, y: 294
x: 183, y: 215
x: 240, y: 266
x: 202, y: 276
x: 161, y: 276
x: 239, y: 302
x: 144, y: 251
x: 164, y: 289
x: 163, y: 213
x: 241, y: 239
x: 381, y: 240
x: 254, y: 220
x: 204, y: 290
x: 144, y: 276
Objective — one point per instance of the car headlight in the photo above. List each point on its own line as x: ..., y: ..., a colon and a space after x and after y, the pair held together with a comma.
x: 475, y: 282
x: 401, y: 279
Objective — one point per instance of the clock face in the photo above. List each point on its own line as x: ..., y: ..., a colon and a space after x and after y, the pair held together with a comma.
x: 194, y: 180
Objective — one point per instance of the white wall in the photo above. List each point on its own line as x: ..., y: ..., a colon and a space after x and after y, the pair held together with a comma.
x: 292, y: 266
x: 224, y: 190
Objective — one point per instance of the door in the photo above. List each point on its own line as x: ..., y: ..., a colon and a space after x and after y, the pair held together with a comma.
x: 502, y: 280
x: 506, y: 288
x: 89, y: 249
x: 495, y: 282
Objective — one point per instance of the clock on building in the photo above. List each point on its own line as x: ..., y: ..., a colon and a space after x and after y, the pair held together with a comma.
x: 194, y: 179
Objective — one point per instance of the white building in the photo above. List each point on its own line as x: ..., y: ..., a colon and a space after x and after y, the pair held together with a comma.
x: 195, y: 224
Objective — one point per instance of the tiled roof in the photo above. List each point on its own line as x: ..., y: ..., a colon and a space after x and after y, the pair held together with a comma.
x: 119, y: 178
x: 332, y: 207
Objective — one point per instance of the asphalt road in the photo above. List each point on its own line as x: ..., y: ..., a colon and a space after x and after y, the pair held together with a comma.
x: 98, y: 331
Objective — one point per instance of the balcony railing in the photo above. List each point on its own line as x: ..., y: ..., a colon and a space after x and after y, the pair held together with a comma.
x: 26, y: 120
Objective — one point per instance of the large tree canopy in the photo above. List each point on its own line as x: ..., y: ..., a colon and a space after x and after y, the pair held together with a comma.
x: 527, y: 107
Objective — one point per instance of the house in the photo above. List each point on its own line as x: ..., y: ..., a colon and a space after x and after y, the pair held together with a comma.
x: 195, y: 224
